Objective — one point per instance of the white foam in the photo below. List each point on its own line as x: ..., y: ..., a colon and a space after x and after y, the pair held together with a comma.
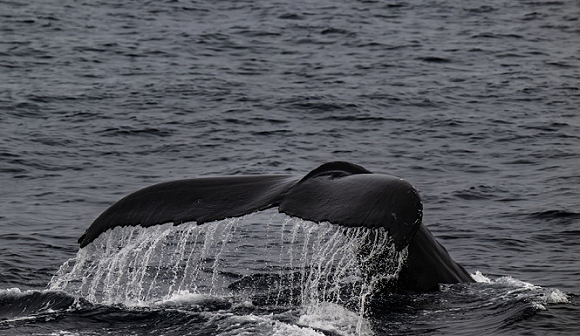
x: 540, y: 296
x: 185, y: 298
x: 284, y: 329
x: 479, y: 277
x: 509, y: 281
x: 538, y: 306
x: 336, y: 319
x: 556, y: 296
x: 230, y: 324
x: 12, y: 293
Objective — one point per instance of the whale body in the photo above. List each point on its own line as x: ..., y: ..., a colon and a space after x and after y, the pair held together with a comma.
x: 337, y: 192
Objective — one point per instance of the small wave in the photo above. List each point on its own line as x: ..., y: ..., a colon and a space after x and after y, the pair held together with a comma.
x: 519, y: 289
x: 554, y: 214
x: 318, y: 103
x: 321, y: 106
x: 272, y: 132
x: 129, y: 131
x: 339, y: 31
x: 494, y: 35
x: 481, y: 9
x: 17, y: 304
x: 434, y: 59
x: 481, y: 192
x: 290, y: 16
x: 354, y: 117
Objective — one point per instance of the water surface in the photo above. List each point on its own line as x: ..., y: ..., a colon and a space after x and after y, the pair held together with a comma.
x: 475, y: 103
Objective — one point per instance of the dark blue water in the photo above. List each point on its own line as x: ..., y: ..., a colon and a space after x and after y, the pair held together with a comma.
x: 477, y: 104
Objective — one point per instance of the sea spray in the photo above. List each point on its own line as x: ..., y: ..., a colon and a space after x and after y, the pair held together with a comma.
x: 314, y: 264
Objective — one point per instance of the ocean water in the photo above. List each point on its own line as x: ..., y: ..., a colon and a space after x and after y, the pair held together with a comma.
x: 476, y: 103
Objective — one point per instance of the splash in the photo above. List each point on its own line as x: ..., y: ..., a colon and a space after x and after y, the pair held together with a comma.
x: 280, y: 259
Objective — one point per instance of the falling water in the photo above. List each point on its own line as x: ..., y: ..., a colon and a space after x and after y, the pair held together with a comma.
x: 300, y: 262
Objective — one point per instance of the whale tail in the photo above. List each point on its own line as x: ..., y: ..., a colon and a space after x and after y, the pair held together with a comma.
x: 337, y: 192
